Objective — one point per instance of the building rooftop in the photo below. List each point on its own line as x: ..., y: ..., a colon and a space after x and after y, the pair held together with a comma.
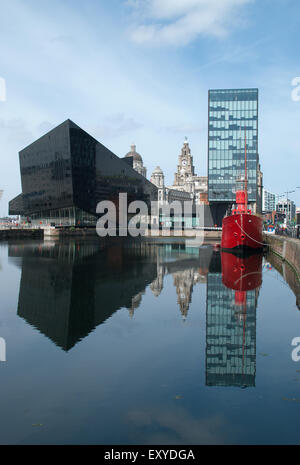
x: 133, y: 153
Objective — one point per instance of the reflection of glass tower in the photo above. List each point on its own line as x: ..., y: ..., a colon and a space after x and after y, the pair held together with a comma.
x: 230, y: 335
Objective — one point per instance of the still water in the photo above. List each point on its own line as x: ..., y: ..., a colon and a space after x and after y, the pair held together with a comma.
x: 145, y: 344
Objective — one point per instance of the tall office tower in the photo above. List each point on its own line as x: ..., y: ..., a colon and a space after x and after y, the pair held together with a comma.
x: 232, y: 115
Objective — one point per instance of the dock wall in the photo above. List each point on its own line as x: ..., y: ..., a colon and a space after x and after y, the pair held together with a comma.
x: 16, y: 233
x: 287, y: 249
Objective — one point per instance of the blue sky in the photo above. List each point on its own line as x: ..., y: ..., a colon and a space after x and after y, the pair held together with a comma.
x: 139, y: 71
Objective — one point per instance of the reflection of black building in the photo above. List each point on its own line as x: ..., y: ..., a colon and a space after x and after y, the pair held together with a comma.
x: 230, y: 332
x: 65, y: 174
x: 67, y: 289
x: 65, y: 293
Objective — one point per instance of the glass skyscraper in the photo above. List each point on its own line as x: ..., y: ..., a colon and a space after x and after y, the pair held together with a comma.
x: 231, y: 112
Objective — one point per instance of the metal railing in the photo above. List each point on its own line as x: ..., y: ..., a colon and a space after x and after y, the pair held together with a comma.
x: 294, y: 233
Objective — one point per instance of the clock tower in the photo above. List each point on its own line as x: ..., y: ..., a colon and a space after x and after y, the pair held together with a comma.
x: 185, y: 168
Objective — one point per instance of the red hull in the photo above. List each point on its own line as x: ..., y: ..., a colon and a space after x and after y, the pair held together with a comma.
x: 242, y: 232
x: 241, y: 273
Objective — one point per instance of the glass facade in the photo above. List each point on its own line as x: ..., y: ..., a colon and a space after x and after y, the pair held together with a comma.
x: 71, y: 216
x: 66, y: 173
x: 231, y: 113
x: 230, y: 340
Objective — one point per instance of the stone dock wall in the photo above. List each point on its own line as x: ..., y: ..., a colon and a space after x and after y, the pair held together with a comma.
x: 287, y: 249
x: 287, y: 273
x: 53, y: 233
x: 16, y: 233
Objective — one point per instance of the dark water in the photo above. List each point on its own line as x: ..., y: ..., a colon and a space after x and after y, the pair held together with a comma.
x: 145, y: 345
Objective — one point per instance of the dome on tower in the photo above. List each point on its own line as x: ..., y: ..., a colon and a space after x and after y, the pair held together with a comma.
x: 157, y: 170
x: 158, y: 178
x: 133, y: 153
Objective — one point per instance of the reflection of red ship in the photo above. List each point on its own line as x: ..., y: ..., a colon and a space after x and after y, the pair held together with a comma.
x: 242, y: 230
x: 241, y: 274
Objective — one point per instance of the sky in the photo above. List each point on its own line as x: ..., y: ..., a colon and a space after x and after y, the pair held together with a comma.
x: 139, y: 71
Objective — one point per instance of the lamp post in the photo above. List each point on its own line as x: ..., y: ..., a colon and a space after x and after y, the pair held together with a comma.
x: 286, y: 194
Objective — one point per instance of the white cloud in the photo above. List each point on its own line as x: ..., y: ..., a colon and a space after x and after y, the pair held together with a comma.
x: 114, y: 126
x: 187, y: 128
x: 178, y: 22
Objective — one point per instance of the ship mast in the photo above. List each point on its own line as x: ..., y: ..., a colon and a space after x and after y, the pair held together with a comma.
x: 246, y: 176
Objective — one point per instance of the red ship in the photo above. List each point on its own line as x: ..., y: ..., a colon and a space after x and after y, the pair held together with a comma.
x: 242, y: 231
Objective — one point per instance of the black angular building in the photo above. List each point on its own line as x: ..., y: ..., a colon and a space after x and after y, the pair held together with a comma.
x: 66, y: 172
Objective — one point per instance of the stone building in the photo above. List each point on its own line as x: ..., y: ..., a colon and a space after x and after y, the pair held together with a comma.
x: 138, y: 164
x: 186, y: 179
x: 167, y: 194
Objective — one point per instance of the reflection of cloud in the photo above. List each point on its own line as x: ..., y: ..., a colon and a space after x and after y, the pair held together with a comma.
x: 2, y: 89
x: 182, y: 21
x: 178, y: 427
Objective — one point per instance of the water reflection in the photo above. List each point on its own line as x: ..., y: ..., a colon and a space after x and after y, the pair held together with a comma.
x: 67, y: 289
x: 179, y: 332
x: 232, y: 293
